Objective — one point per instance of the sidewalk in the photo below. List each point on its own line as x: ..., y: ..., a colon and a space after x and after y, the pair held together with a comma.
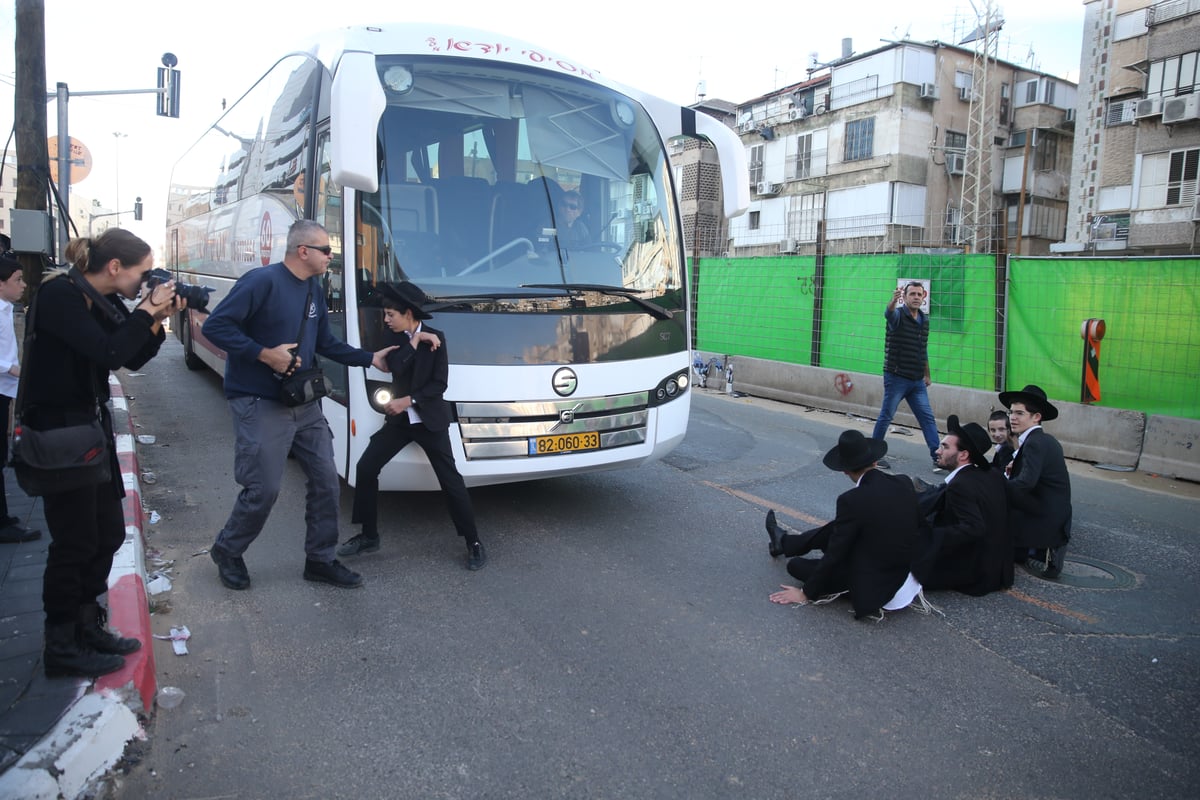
x: 57, y: 735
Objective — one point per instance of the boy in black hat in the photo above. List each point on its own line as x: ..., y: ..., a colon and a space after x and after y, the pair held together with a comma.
x: 416, y: 413
x: 1039, y: 486
x: 868, y: 547
x: 967, y: 546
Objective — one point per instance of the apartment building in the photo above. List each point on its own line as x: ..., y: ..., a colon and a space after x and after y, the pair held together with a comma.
x: 911, y: 145
x: 1134, y: 186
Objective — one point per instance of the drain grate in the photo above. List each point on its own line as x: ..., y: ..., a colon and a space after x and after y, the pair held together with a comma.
x: 1090, y: 573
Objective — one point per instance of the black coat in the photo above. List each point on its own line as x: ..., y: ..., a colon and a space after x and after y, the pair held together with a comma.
x: 870, y: 543
x: 422, y: 374
x: 966, y: 545
x: 1039, y: 493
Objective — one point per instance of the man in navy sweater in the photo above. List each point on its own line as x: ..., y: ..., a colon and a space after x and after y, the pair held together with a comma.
x: 257, y: 326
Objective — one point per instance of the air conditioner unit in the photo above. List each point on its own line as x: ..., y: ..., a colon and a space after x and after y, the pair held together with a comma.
x: 956, y: 163
x: 929, y: 91
x: 1148, y: 107
x: 767, y: 188
x: 787, y: 245
x: 745, y: 127
x: 797, y: 113
x: 1181, y: 109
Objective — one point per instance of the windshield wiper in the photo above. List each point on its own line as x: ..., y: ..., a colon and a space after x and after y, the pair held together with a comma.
x: 653, y: 309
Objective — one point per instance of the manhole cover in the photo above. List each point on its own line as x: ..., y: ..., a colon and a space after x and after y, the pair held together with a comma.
x: 1091, y: 573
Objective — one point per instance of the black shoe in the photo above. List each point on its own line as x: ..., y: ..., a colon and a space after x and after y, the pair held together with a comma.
x: 476, y: 556
x: 94, y: 632
x: 231, y: 569
x: 775, y: 548
x: 357, y: 545
x: 66, y: 656
x: 1055, y: 557
x: 332, y: 573
x: 12, y: 534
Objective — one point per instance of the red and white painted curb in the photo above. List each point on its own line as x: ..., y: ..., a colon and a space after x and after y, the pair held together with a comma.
x: 128, y: 609
x: 91, y: 736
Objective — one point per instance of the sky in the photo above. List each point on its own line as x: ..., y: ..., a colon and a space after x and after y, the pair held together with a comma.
x: 668, y: 49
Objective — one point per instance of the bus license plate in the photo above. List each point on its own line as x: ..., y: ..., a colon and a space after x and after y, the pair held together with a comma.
x: 564, y: 443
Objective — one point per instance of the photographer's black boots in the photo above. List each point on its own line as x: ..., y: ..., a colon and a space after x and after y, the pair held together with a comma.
x: 66, y: 656
x: 94, y: 632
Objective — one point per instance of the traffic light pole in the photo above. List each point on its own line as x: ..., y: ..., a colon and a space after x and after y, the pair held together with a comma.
x: 168, y: 106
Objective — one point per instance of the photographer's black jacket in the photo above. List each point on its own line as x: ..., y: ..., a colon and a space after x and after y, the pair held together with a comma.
x: 76, y: 347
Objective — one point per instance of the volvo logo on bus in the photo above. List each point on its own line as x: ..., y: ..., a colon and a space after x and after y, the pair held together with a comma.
x: 565, y: 382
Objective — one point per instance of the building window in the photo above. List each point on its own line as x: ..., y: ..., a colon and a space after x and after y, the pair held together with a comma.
x: 860, y: 139
x: 756, y: 164
x: 1031, y: 92
x: 1173, y: 76
x: 753, y: 220
x: 1168, y: 179
x: 1045, y: 151
x: 1181, y: 177
x: 956, y: 142
x: 1049, y: 94
x: 803, y: 160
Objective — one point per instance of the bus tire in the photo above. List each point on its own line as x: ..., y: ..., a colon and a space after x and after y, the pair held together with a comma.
x: 190, y: 359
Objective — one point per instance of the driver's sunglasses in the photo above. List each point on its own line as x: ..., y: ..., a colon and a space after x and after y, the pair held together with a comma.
x: 324, y: 248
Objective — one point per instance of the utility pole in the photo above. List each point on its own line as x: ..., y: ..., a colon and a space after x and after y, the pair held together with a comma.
x: 33, y: 156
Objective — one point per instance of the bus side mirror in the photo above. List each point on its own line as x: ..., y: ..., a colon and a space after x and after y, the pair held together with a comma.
x: 357, y: 102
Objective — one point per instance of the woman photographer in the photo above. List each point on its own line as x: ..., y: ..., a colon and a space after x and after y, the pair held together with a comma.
x: 82, y: 331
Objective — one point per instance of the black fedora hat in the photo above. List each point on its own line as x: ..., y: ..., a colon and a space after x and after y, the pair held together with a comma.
x: 1031, y: 394
x: 405, y: 294
x: 854, y: 451
x: 972, y: 438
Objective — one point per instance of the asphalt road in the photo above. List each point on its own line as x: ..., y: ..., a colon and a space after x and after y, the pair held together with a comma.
x: 620, y: 644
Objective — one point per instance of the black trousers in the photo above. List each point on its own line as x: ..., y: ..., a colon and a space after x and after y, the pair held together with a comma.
x: 797, y: 544
x: 5, y: 408
x: 87, y: 527
x: 389, y: 440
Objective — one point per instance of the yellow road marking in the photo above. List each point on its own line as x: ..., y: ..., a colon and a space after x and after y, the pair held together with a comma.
x: 1055, y: 607
x: 758, y: 501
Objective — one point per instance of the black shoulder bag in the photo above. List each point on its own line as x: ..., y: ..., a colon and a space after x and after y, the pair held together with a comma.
x: 304, y: 385
x: 54, y: 460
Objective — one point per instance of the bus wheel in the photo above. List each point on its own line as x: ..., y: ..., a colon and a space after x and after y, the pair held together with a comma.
x: 190, y: 359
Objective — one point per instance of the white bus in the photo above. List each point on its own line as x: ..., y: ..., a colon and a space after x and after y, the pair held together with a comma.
x: 449, y: 157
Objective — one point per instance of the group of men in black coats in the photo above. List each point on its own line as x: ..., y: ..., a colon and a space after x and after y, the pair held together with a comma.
x: 888, y: 540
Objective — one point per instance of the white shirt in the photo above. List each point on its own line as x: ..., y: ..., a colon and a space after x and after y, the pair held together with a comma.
x: 8, y: 350
x: 414, y: 416
x: 1020, y: 442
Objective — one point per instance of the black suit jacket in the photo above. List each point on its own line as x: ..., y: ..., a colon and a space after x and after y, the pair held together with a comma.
x: 870, y: 543
x: 422, y: 373
x: 966, y: 544
x: 1039, y: 493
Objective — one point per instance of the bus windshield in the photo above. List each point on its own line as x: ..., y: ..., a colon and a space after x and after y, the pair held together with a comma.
x: 503, y: 189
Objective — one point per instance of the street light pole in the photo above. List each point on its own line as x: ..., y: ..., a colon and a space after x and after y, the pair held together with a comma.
x: 117, y: 163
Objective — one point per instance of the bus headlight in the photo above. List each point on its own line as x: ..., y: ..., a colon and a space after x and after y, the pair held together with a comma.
x: 380, y: 394
x: 670, y: 388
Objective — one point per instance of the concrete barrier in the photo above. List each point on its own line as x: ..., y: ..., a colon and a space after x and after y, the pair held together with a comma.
x: 1172, y: 447
x: 1087, y: 433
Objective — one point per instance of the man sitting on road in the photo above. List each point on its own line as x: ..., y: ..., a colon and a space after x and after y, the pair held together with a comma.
x: 966, y: 546
x: 867, y: 548
x: 1039, y: 486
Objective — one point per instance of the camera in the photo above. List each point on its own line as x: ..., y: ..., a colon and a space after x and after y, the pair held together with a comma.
x: 195, y: 296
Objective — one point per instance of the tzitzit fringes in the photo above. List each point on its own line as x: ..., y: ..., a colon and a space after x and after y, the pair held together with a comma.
x: 829, y: 598
x: 921, y: 605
